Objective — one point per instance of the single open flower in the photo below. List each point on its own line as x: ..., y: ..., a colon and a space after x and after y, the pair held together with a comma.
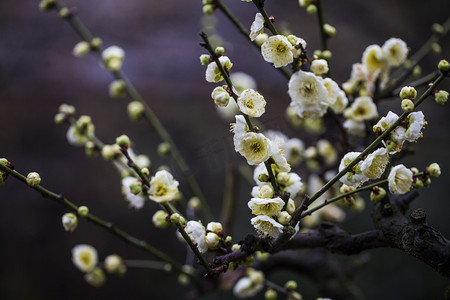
x: 163, y: 187
x: 400, y: 180
x: 251, y: 103
x: 266, y: 226
x: 375, y: 163
x: 257, y: 26
x: 84, y: 257
x: 255, y: 147
x: 395, y: 51
x: 277, y: 50
x: 267, y: 207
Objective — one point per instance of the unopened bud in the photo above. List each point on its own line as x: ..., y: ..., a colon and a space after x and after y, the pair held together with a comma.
x: 436, y: 48
x: 208, y: 9
x: 329, y: 30
x: 83, y: 211
x: 407, y: 105
x: 96, y: 43
x: 33, y: 179
x: 283, y: 178
x: 159, y: 219
x: 60, y: 118
x: 284, y: 217
x: 136, y: 187
x: 377, y: 194
x: 204, y: 59
x: 145, y: 172
x: 441, y: 97
x: 123, y: 141
x: 117, y: 88
x: 91, y: 149
x: 408, y: 92
x: 69, y: 221
x: 263, y: 177
x: 270, y: 294
x: 46, y: 5
x: 110, y: 152
x: 135, y: 110
x: 290, y: 285
x: 114, y: 265
x: 215, y: 227
x: 164, y: 149
x: 434, y: 170
x: 67, y: 109
x: 443, y: 66
x: 219, y: 50
x: 96, y: 277
x: 212, y: 240
x: 81, y: 49
x: 220, y: 96
x: 311, y: 9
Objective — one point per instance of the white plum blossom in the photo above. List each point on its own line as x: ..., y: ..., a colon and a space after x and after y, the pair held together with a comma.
x: 395, y: 51
x: 308, y: 94
x: 212, y: 71
x: 84, y: 257
x: 400, y: 180
x: 135, y: 201
x: 220, y: 96
x: 293, y: 185
x: 69, y: 221
x: 257, y: 26
x: 360, y: 75
x: 266, y: 226
x: 396, y: 138
x: 163, y: 187
x: 332, y: 89
x: 251, y: 103
x: 277, y: 50
x: 196, y: 231
x: 373, y: 58
x: 319, y: 66
x: 263, y: 191
x: 267, y: 207
x: 255, y: 147
x: 362, y: 109
x: 355, y: 176
x: 278, y: 139
x: 416, y: 122
x: 375, y: 163
x: 341, y: 102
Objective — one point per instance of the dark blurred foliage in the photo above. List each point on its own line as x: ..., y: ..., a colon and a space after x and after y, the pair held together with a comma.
x: 38, y: 73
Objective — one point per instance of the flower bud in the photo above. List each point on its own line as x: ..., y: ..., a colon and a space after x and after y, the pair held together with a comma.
x: 443, y: 66
x: 117, y: 88
x: 208, y: 9
x: 159, y: 219
x: 212, y: 240
x: 408, y: 92
x: 96, y: 43
x: 220, y: 96
x: 228, y: 240
x: 294, y: 296
x: 135, y: 187
x: 417, y: 71
x: 270, y: 294
x: 377, y: 194
x: 265, y: 192
x: 437, y: 28
x: 407, y: 105
x: 283, y: 178
x: 441, y: 97
x: 113, y: 57
x: 434, y: 170
x: 81, y: 49
x: 290, y: 206
x: 257, y: 277
x: 263, y: 177
x: 176, y: 218
x: 219, y: 50
x: 436, y: 48
x: 304, y: 3
x: 194, y: 203
x: 69, y: 221
x: 91, y: 149
x: 33, y: 179
x: 215, y: 227
x: 83, y: 211
x: 183, y: 279
x: 96, y: 277
x: 60, y: 118
x: 417, y: 184
x: 64, y: 13
x: 427, y: 181
x: 319, y: 66
x: 415, y: 170
x: 284, y: 217
x: 110, y: 152
x: 164, y: 149
x: 84, y: 122
x: 123, y: 141
x: 329, y: 30
x: 311, y: 9
x: 66, y: 109
x: 290, y: 285
x: 4, y: 175
x: 135, y: 110
x: 205, y: 59
x: 114, y: 265
x: 46, y: 5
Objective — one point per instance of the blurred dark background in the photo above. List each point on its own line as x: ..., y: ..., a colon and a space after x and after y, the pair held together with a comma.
x: 38, y: 73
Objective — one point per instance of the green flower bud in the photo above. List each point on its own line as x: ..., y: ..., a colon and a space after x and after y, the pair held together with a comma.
x: 164, y: 149
x: 263, y: 177
x: 204, y: 2
x: 326, y: 54
x: 329, y: 30
x: 208, y: 9
x: 123, y: 141
x: 443, y: 66
x: 175, y: 218
x: 81, y: 49
x: 304, y: 3
x: 270, y: 294
x: 284, y: 217
x: 91, y: 149
x: 290, y: 285
x: 417, y: 71
x: 205, y: 59
x: 167, y: 267
x: 417, y: 184
x: 377, y: 194
x: 96, y: 277
x: 145, y: 172
x: 228, y: 240
x: 437, y: 28
x: 84, y: 122
x: 136, y: 187
x: 407, y: 105
x: 60, y: 118
x: 114, y: 265
x: 46, y: 5
x: 66, y: 109
x: 69, y: 221
x: 436, y: 48
x: 441, y: 97
x: 183, y: 279
x: 83, y: 211
x: 135, y: 110
x: 219, y: 50
x: 434, y: 170
x: 4, y: 175
x: 415, y: 170
x: 64, y: 13
x: 159, y: 219
x: 110, y: 152
x: 262, y: 256
x: 33, y: 179
x: 235, y: 247
x: 117, y: 88
x: 427, y: 181
x: 294, y: 296
x: 96, y: 43
x: 408, y: 92
x: 311, y: 9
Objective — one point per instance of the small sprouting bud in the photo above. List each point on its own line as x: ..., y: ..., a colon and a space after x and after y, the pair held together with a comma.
x: 69, y: 221
x: 117, y: 88
x: 407, y: 105
x: 110, y: 152
x: 270, y: 294
x: 96, y: 277
x: 441, y: 97
x: 220, y: 96
x: 326, y: 54
x: 208, y: 9
x: 290, y: 285
x: 113, y: 57
x: 135, y: 110
x: 64, y: 13
x: 60, y: 118
x: 219, y: 51
x: 437, y: 28
x: 96, y: 43
x: 204, y: 59
x: 81, y: 49
x: 436, y: 48
x: 204, y: 2
x: 83, y: 211
x: 263, y: 177
x: 46, y: 5
x: 212, y: 240
x: 114, y: 265
x: 4, y: 175
x: 66, y: 109
x: 265, y: 192
x: 377, y: 194
x: 228, y: 240
x: 194, y: 203
x: 408, y: 92
x: 443, y: 66
x: 176, y: 218
x: 329, y: 30
x: 135, y: 187
x: 123, y: 141
x: 159, y: 219
x: 257, y: 277
x: 417, y: 184
x: 283, y: 178
x: 33, y: 179
x: 164, y: 149
x: 311, y: 9
x: 434, y: 170
x: 294, y: 296
x: 417, y: 71
x: 317, y: 53
x: 415, y: 170
x: 284, y: 217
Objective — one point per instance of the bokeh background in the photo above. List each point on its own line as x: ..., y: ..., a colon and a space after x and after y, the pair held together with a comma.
x: 38, y: 73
